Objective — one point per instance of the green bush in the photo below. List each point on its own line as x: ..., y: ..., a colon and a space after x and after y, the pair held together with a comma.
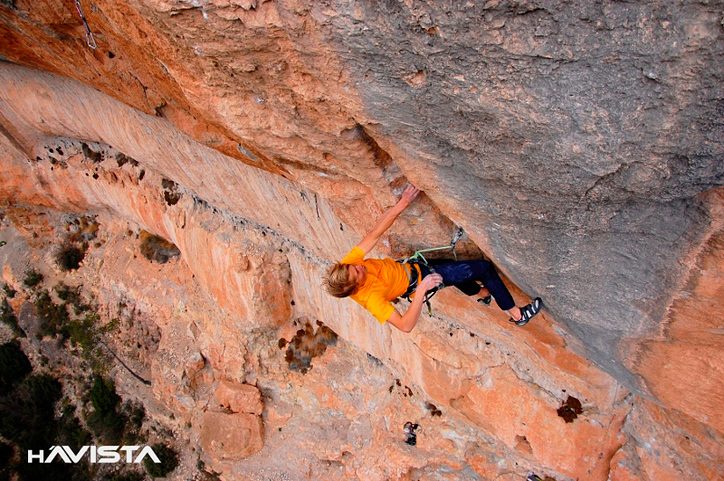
x: 7, y: 452
x: 27, y: 415
x: 27, y: 420
x: 7, y: 316
x: 14, y: 366
x: 168, y: 458
x: 68, y: 294
x: 124, y: 476
x: 135, y: 414
x: 54, y: 318
x: 109, y: 429
x: 71, y: 433
x: 71, y: 296
x: 69, y: 257
x: 32, y: 278
x: 105, y: 421
x: 9, y: 291
x: 103, y: 396
x: 82, y: 332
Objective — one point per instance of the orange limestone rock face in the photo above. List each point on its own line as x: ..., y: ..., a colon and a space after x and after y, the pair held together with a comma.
x: 239, y: 398
x: 526, y: 419
x: 229, y: 151
x: 684, y: 368
x: 226, y: 438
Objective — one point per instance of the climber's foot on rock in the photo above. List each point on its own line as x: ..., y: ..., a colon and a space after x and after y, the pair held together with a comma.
x: 527, y: 312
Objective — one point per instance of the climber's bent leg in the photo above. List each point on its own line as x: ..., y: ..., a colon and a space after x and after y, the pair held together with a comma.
x: 463, y: 274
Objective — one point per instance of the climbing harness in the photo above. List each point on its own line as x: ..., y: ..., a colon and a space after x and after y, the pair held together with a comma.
x: 88, y: 34
x: 419, y: 258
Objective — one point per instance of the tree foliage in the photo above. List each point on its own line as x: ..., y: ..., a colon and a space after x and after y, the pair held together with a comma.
x: 168, y: 458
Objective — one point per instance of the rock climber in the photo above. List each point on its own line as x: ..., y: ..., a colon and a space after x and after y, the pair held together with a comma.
x: 374, y: 283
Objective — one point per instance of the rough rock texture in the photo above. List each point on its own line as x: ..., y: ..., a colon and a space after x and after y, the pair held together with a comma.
x: 580, y: 146
x: 691, y: 343
x: 571, y: 141
x: 231, y: 437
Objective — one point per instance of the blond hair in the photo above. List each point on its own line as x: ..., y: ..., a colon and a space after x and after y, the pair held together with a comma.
x: 337, y: 282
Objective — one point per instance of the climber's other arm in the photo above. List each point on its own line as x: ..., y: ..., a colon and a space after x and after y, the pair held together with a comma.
x: 388, y: 218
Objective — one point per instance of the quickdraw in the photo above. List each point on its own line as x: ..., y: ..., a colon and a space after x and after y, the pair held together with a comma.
x: 419, y: 258
x: 88, y: 34
x: 418, y: 254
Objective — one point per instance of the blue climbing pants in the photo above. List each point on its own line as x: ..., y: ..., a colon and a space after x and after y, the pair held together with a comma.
x: 464, y: 274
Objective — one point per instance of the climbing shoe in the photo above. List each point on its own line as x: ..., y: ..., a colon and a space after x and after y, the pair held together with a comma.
x: 486, y: 300
x: 527, y: 312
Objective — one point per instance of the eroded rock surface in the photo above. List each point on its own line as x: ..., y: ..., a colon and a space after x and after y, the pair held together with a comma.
x: 579, y: 146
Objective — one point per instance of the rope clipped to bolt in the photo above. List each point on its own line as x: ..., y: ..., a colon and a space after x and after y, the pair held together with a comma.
x: 88, y: 34
x: 418, y: 258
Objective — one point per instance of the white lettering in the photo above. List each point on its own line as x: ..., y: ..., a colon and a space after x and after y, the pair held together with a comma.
x: 108, y: 454
x: 147, y: 451
x: 98, y: 454
x: 32, y: 456
x: 57, y: 450
x: 129, y: 452
x: 75, y: 457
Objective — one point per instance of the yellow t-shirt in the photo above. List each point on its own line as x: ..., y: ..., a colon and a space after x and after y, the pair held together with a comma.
x: 386, y: 280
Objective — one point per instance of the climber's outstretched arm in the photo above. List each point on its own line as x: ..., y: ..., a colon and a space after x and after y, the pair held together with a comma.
x: 408, y: 321
x: 370, y: 240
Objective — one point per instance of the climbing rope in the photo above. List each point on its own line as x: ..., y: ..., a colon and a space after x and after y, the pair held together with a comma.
x: 88, y: 34
x: 419, y: 258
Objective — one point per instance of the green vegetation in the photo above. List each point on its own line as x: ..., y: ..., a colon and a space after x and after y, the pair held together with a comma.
x: 81, y: 332
x: 109, y: 421
x: 14, y: 366
x: 136, y: 415
x: 7, y: 452
x: 27, y: 421
x: 69, y: 257
x: 7, y: 316
x: 29, y: 400
x: 32, y: 278
x: 71, y: 296
x: 27, y: 414
x: 105, y: 421
x: 68, y: 293
x: 168, y: 458
x: 53, y: 317
x: 103, y: 396
x: 9, y: 291
x: 71, y: 433
x: 57, y: 320
x: 126, y: 476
